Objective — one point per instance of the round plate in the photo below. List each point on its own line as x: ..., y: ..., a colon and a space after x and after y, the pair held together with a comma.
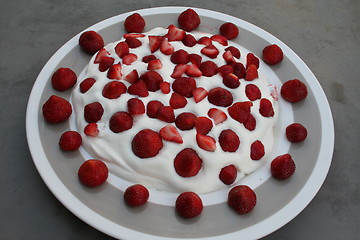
x: 103, y: 208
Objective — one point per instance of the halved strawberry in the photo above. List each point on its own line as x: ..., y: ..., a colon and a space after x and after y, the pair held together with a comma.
x: 102, y: 53
x: 170, y: 133
x: 91, y: 130
x: 240, y: 111
x: 228, y: 57
x: 252, y: 92
x: 185, y: 121
x: 184, y: 86
x: 234, y: 51
x: 134, y: 23
x: 166, y: 114
x: 152, y: 80
x: 148, y: 58
x: 250, y: 123
x: 195, y: 59
x: 251, y: 73
x: 208, y: 68
x: 179, y: 70
x: 133, y: 42
x: 180, y: 57
x: 187, y: 163
x: 86, y: 84
x: 138, y: 88
x: 225, y: 70
x: 155, y: 42
x: 122, y: 49
x: 210, y: 51
x: 220, y: 97
x: 199, y: 94
x: 217, y: 115
x: 129, y: 58
x: 203, y: 125
x: 189, y: 20
x: 231, y: 81
x: 166, y: 48
x: 252, y: 59
x: 132, y: 77
x: 177, y: 101
x: 206, y: 142
x: 220, y: 39
x: 239, y: 69
x: 113, y: 89
x: 175, y: 34
x: 152, y: 108
x: 114, y: 72
x: 205, y: 41
x: 229, y: 140
x: 165, y: 87
x: 193, y: 71
x: 189, y: 40
x: 154, y: 64
x: 105, y: 63
x: 135, y: 106
x: 266, y: 108
x: 134, y: 35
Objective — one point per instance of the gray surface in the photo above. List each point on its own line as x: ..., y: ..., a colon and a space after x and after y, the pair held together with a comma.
x: 323, y: 33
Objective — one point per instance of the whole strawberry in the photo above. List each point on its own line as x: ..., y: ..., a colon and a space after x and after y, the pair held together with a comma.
x: 70, y: 141
x: 229, y: 30
x: 296, y: 132
x: 134, y: 23
x: 188, y: 205
x: 136, y: 195
x: 272, y: 54
x: 63, y: 79
x: 91, y: 42
x: 146, y: 143
x: 282, y: 167
x: 189, y: 20
x: 56, y: 109
x: 93, y: 173
x: 294, y: 90
x: 242, y: 199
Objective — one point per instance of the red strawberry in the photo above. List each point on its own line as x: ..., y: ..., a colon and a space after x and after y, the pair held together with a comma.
x: 56, y: 109
x: 252, y: 59
x: 228, y: 57
x: 195, y: 59
x: 170, y: 133
x: 155, y: 42
x: 220, y: 97
x: 229, y: 141
x: 134, y: 23
x: 179, y: 70
x: 180, y: 57
x: 199, y: 94
x: 272, y: 54
x: 91, y: 130
x: 229, y: 30
x: 188, y: 205
x: 102, y: 53
x: 166, y: 114
x: 250, y: 123
x: 122, y: 49
x: 185, y: 121
x: 206, y: 142
x: 86, y: 84
x: 189, y: 40
x: 63, y: 79
x: 177, y: 101
x: 184, y: 86
x: 133, y: 42
x: 217, y: 115
x: 135, y: 106
x: 203, y: 125
x: 242, y: 199
x: 152, y: 80
x: 152, y: 108
x: 252, y: 92
x: 282, y: 167
x: 234, y: 51
x: 257, y: 150
x: 129, y: 59
x: 154, y: 64
x: 93, y: 112
x: 105, y: 63
x: 146, y: 144
x: 115, y: 72
x: 132, y: 77
x: 70, y: 141
x: 296, y: 132
x: 208, y: 68
x: 294, y: 91
x: 220, y: 39
x: 187, y: 163
x: 165, y: 87
x: 93, y: 173
x: 136, y: 195
x: 205, y: 41
x: 175, y: 34
x: 251, y: 73
x: 91, y: 42
x: 231, y: 81
x: 148, y: 58
x: 189, y: 20
x: 166, y: 48
x: 225, y: 70
x: 134, y: 35
x: 193, y: 71
x: 113, y: 89
x: 240, y: 111
x: 139, y: 89
x: 210, y: 51
x: 238, y: 69
x: 228, y: 174
x: 121, y: 121
x: 266, y: 109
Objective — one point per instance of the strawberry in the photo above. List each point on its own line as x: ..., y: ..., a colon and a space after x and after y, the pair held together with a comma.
x: 184, y: 86
x: 128, y: 59
x: 228, y: 57
x: 231, y: 81
x: 296, y: 132
x: 204, y: 41
x: 252, y: 92
x: 274, y: 92
x: 63, y: 79
x: 189, y: 40
x: 93, y: 173
x: 155, y: 42
x: 193, y: 71
x: 185, y: 121
x: 189, y: 20
x: 228, y: 174
x: 91, y: 130
x: 266, y: 109
x: 180, y: 57
x: 165, y: 87
x: 188, y: 205
x: 70, y: 141
x: 138, y: 88
x: 203, y: 125
x: 175, y: 34
x: 206, y: 142
x: 220, y: 97
x: 199, y: 94
x: 272, y: 54
x: 240, y: 111
x: 257, y: 150
x: 195, y: 59
x: 154, y: 64
x: 177, y: 101
x: 242, y: 199
x: 238, y: 69
x: 132, y: 77
x: 250, y: 123
x: 217, y: 115
x: 134, y: 35
x: 294, y: 91
x: 220, y: 39
x: 166, y: 114
x: 234, y: 51
x: 148, y: 58
x: 282, y: 167
x: 133, y: 42
x: 122, y: 49
x: 146, y: 144
x: 115, y: 72
x: 93, y: 112
x: 229, y: 30
x: 251, y: 73
x: 187, y: 163
x: 136, y: 195
x: 134, y: 23
x: 210, y: 51
x: 208, y: 68
x: 179, y: 70
x: 102, y: 53
x: 152, y: 80
x: 170, y: 133
x: 86, y: 84
x: 166, y: 48
x: 152, y: 108
x: 91, y: 42
x: 56, y: 109
x: 252, y: 59
x: 135, y: 106
x: 105, y: 63
x: 225, y: 70
x: 113, y: 90
x: 229, y: 141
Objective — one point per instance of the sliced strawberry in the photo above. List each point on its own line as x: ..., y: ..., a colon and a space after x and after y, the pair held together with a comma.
x: 122, y: 49
x: 195, y: 59
x: 146, y: 144
x: 231, y: 81
x: 133, y: 42
x: 165, y: 87
x: 177, y: 101
x: 220, y: 39
x: 129, y: 58
x: 154, y: 64
x: 189, y: 20
x: 272, y: 54
x: 294, y: 90
x: 187, y: 163
x: 210, y: 51
x: 282, y: 167
x: 134, y: 23
x: 225, y: 70
x: 134, y: 35
x: 220, y: 97
x: 234, y: 51
x: 121, y: 121
x: 102, y: 53
x: 152, y: 108
x: 93, y: 112
x: 91, y: 130
x: 180, y: 57
x: 240, y: 111
x: 86, y: 84
x: 228, y: 57
x: 139, y: 89
x: 251, y: 73
x: 132, y: 77
x: 217, y: 115
x: 166, y: 48
x: 63, y: 79
x: 136, y: 195
x: 189, y: 40
x: 252, y: 92
x: 93, y: 173
x: 229, y: 30
x: 113, y: 90
x: 228, y: 174
x: 166, y: 114
x: 56, y: 109
x: 91, y: 42
x: 208, y: 68
x: 205, y: 41
x: 170, y: 133
x: 266, y: 108
x: 115, y: 72
x: 188, y: 205
x: 152, y: 80
x: 175, y: 34
x: 105, y: 63
x: 199, y: 94
x: 135, y: 106
x: 250, y: 123
x: 206, y: 142
x: 179, y: 70
x: 229, y: 140
x: 193, y: 71
x: 257, y: 150
x: 155, y: 42
x: 148, y: 58
x: 185, y: 121
x: 203, y: 125
x: 242, y: 199
x: 239, y: 69
x: 184, y: 86
x: 252, y: 59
